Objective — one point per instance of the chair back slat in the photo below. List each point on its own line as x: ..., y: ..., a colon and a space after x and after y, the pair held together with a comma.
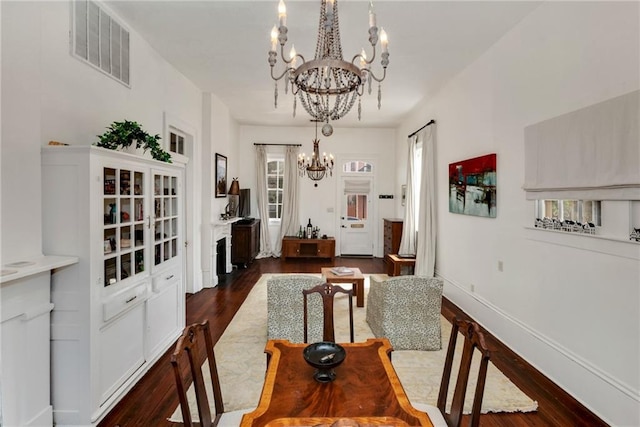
x: 473, y: 339
x: 328, y: 291
x: 195, y: 344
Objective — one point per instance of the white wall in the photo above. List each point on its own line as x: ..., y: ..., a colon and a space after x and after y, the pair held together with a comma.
x: 220, y: 133
x: 570, y: 305
x: 315, y: 203
x: 50, y: 95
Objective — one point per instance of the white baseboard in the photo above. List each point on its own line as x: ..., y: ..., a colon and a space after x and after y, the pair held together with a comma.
x: 610, y: 398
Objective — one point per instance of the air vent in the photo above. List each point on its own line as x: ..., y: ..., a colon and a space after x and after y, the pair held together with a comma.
x: 99, y: 40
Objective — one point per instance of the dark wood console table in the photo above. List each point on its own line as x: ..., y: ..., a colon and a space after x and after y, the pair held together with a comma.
x: 293, y: 247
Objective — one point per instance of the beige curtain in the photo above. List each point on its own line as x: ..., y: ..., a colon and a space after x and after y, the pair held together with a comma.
x: 263, y: 208
x: 426, y: 241
x: 408, y: 239
x: 290, y: 201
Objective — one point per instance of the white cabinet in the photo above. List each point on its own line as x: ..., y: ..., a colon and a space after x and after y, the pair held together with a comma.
x: 122, y: 305
x: 25, y: 306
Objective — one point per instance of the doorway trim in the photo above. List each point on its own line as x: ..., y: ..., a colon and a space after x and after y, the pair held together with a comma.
x: 341, y: 160
x: 192, y: 266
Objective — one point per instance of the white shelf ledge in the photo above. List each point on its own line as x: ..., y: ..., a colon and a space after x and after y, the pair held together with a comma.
x: 31, y: 266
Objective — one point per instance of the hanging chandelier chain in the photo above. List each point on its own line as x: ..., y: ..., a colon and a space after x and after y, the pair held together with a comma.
x: 327, y: 86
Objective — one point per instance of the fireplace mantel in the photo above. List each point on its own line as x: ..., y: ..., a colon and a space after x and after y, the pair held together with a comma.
x: 221, y: 229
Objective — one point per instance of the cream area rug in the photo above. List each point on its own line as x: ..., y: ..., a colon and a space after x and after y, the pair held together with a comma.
x: 242, y: 362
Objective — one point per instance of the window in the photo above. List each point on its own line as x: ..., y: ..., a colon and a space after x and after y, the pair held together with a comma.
x: 176, y: 142
x: 357, y: 166
x: 582, y: 211
x: 275, y: 183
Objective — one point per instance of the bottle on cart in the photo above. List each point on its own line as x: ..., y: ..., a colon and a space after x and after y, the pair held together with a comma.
x: 309, y: 229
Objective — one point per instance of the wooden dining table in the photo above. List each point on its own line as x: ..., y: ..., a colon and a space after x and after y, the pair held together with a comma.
x: 366, y: 390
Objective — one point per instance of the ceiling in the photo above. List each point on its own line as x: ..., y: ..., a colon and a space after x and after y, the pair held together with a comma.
x: 222, y: 47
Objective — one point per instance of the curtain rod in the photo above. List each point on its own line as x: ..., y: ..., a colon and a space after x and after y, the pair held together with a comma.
x: 430, y: 123
x: 286, y: 145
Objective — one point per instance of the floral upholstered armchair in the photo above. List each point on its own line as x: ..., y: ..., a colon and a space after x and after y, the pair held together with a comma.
x: 285, y: 313
x: 406, y: 310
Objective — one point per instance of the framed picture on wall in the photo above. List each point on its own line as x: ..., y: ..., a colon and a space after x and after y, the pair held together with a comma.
x: 221, y: 175
x: 472, y: 186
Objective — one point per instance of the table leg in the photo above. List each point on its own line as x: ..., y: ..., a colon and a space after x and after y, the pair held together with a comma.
x: 359, y: 287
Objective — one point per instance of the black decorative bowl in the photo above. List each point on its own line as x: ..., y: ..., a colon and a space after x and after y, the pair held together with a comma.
x: 324, y: 356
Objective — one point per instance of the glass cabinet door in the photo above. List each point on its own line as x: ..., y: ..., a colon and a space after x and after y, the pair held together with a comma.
x: 124, y: 225
x: 166, y: 214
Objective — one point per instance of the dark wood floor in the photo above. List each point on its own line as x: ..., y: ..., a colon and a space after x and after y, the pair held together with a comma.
x: 153, y: 399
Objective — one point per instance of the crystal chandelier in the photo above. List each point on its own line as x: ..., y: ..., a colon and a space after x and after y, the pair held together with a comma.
x: 315, y: 168
x: 327, y: 85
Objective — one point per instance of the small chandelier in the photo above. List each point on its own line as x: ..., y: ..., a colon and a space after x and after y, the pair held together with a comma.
x: 315, y: 168
x: 327, y: 86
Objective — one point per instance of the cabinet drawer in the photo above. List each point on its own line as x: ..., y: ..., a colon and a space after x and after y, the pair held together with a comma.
x: 164, y: 280
x: 124, y: 301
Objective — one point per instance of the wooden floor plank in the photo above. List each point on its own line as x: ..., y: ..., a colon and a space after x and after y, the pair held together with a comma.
x: 154, y: 399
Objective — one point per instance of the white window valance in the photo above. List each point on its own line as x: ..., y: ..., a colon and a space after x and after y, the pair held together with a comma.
x: 592, y: 153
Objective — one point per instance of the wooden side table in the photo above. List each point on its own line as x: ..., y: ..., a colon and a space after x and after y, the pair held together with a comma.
x: 356, y: 278
x: 396, y: 263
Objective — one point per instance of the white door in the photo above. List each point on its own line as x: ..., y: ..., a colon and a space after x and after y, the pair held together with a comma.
x: 356, y: 236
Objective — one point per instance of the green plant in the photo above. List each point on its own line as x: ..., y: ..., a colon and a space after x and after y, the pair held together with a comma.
x: 123, y: 134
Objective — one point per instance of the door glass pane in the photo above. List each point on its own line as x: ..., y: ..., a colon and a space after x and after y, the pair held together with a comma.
x: 125, y: 210
x: 157, y: 254
x: 139, y: 261
x: 125, y: 238
x: 125, y: 182
x: 125, y: 266
x: 110, y: 271
x: 110, y: 211
x: 139, y: 235
x: 356, y: 207
x: 109, y: 240
x: 174, y: 247
x: 139, y: 209
x: 158, y: 231
x: 109, y: 181
x: 138, y: 186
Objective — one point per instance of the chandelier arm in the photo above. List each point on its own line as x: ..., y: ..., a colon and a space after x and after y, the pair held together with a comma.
x: 280, y: 76
x: 284, y: 58
x: 367, y: 61
x: 376, y: 78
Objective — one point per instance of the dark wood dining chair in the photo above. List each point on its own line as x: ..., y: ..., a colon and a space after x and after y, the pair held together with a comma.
x: 473, y: 339
x: 195, y: 345
x: 327, y: 291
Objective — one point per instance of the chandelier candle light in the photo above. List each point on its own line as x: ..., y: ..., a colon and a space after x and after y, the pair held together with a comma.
x: 315, y: 168
x: 327, y: 85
